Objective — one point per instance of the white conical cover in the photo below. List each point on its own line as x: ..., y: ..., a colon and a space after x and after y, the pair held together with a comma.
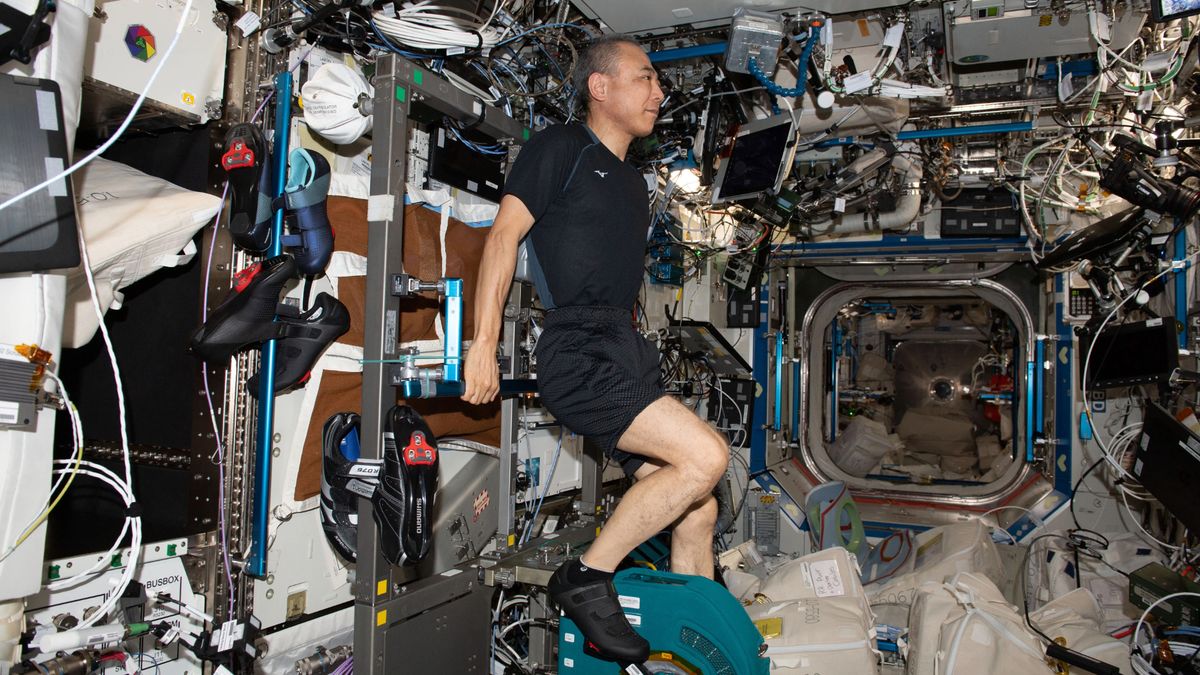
x: 331, y: 98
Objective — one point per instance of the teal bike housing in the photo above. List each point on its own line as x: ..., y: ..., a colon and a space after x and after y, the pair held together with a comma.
x: 693, y: 625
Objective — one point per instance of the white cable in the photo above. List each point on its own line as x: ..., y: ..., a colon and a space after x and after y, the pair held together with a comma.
x: 1137, y: 631
x: 105, y: 475
x: 1108, y: 450
x: 77, y: 444
x: 1125, y: 501
x: 183, y: 17
x: 428, y: 26
x: 136, y: 525
x: 132, y: 523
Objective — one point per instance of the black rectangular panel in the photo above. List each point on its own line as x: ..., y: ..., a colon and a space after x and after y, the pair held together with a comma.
x: 39, y: 232
x: 1168, y: 464
x: 453, y: 163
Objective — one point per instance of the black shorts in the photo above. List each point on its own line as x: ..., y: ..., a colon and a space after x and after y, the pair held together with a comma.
x: 596, y: 374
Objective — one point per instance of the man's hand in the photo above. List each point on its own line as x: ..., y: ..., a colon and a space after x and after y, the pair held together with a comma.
x: 481, y: 373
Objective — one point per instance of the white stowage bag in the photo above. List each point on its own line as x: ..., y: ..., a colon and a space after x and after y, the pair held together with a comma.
x: 859, y: 448
x: 1054, y: 570
x: 963, y: 626
x: 332, y: 107
x: 815, y: 617
x: 1077, y: 617
x: 133, y: 224
x: 940, y: 553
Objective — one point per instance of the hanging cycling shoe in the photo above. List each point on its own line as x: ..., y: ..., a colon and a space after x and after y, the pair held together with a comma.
x: 403, y: 503
x: 247, y: 160
x: 311, y: 236
x: 302, y: 338
x: 247, y: 316
x: 344, y: 478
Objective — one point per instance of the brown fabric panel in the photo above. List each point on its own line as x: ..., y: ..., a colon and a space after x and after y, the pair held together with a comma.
x: 422, y: 258
x: 465, y: 247
x: 352, y: 291
x: 348, y: 216
x: 342, y: 392
x: 339, y: 392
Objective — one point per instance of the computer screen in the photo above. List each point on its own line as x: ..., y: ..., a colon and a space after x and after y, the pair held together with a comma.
x: 1143, y: 352
x: 756, y: 162
x: 1167, y: 463
x: 1168, y: 10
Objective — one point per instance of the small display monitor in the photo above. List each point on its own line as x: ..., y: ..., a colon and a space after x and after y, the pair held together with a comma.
x: 1143, y: 352
x: 757, y: 160
x: 1168, y: 10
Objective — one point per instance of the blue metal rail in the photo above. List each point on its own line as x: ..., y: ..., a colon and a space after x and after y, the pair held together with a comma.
x: 256, y: 564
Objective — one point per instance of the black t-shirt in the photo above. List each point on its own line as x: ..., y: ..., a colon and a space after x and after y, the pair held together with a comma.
x: 591, y: 214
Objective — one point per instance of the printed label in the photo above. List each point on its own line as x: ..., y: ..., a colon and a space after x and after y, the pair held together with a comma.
x: 630, y: 601
x: 360, y: 488
x: 365, y: 470
x: 248, y: 23
x: 9, y: 412
x: 225, y: 643
x: 105, y: 638
x: 806, y: 576
x: 827, y: 579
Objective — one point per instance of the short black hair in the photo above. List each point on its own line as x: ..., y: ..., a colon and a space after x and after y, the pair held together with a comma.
x: 599, y: 56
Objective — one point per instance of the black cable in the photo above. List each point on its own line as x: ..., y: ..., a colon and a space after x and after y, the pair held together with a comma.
x: 1025, y: 584
x: 1075, y: 489
x: 1084, y: 542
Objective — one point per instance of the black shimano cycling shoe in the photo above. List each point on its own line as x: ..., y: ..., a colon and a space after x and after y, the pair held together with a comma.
x: 596, y: 610
x: 343, y: 480
x: 407, y: 487
x: 247, y: 316
x: 302, y: 338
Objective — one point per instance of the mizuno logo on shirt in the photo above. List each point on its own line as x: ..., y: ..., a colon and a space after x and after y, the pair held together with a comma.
x: 602, y: 174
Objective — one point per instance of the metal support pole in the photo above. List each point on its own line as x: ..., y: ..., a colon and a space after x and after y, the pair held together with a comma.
x: 388, y: 597
x: 592, y: 477
x: 385, y: 215
x: 510, y: 341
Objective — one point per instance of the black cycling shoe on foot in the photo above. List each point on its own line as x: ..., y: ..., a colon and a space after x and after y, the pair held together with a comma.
x: 247, y: 316
x: 403, y: 502
x: 302, y: 338
x: 596, y: 611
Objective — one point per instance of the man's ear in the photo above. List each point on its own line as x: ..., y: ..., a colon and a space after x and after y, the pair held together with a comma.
x: 597, y: 86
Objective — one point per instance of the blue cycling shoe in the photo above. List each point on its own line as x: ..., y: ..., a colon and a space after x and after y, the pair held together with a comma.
x: 310, y: 237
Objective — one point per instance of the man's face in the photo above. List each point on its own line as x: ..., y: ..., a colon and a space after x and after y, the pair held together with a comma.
x: 633, y: 91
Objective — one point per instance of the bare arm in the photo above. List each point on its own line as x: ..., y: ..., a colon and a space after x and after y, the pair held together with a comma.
x: 482, y: 374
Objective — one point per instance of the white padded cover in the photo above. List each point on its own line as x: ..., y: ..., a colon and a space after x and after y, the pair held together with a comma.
x: 134, y: 224
x: 825, y: 625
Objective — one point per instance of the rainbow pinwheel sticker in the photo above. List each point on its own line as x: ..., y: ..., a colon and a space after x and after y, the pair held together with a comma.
x: 140, y: 42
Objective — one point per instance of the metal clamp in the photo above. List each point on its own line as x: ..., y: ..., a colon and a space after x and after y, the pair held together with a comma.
x: 445, y: 377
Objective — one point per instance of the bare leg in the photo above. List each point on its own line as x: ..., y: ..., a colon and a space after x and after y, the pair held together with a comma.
x: 693, y: 458
x: 692, y: 534
x: 691, y: 540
